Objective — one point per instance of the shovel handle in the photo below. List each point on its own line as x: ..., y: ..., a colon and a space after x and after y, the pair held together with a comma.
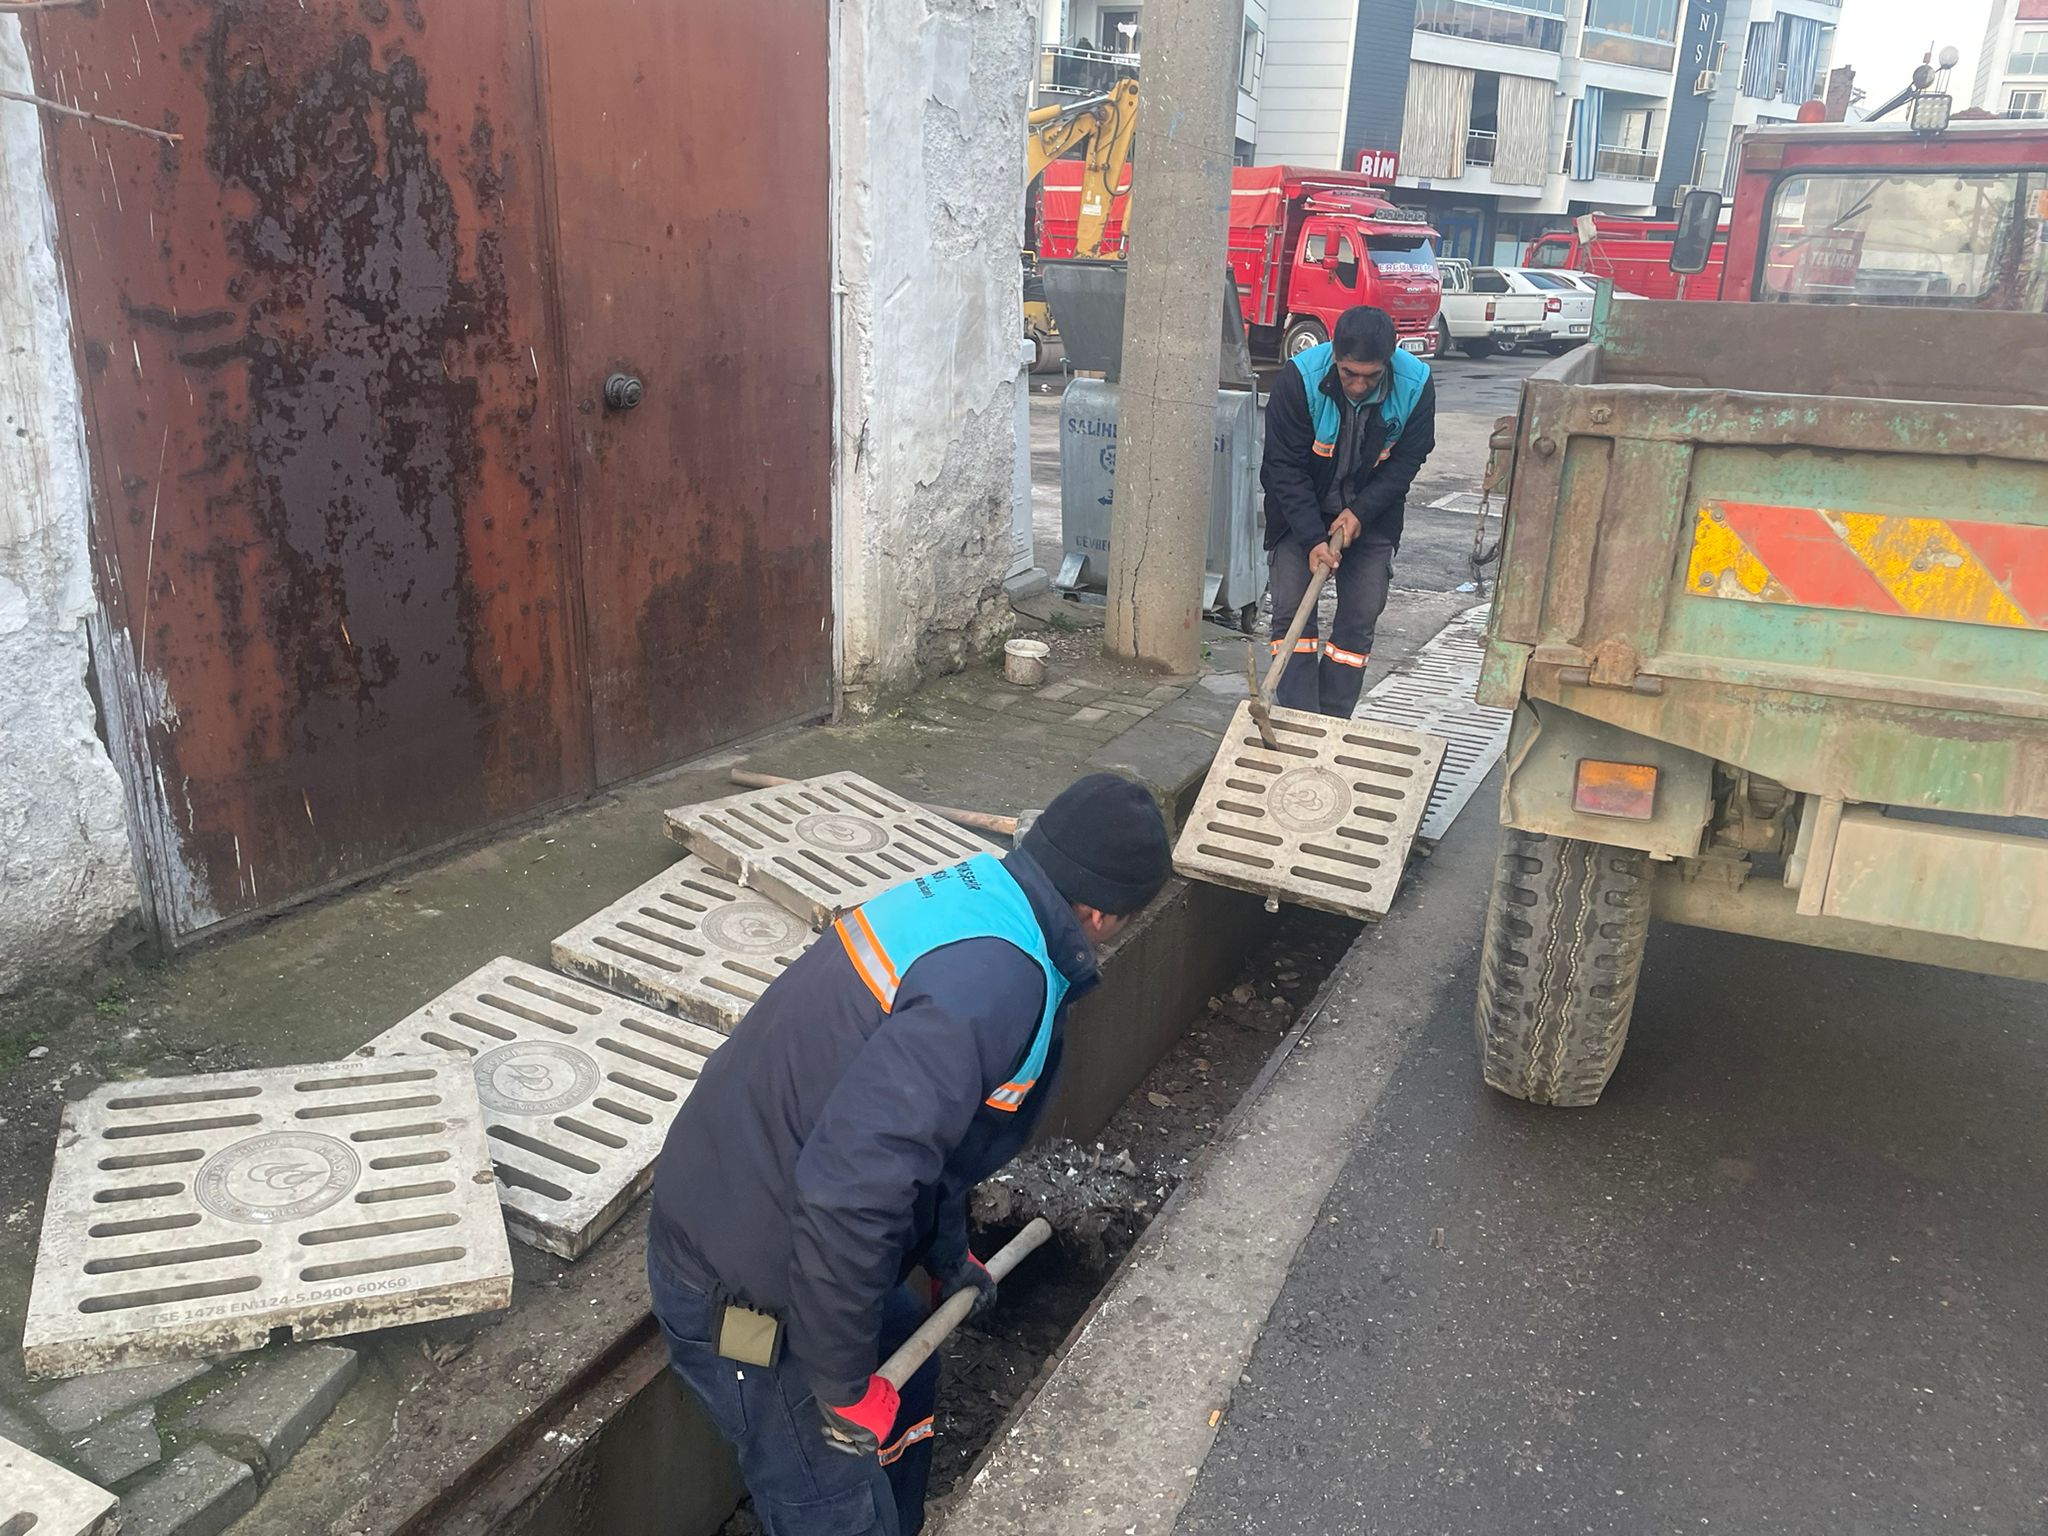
x: 1301, y: 617
x: 917, y: 1349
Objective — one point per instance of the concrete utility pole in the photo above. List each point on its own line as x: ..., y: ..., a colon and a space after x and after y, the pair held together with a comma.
x: 1173, y: 311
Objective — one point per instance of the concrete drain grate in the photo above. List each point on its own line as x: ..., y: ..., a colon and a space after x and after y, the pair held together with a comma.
x: 821, y: 846
x: 1434, y: 692
x: 691, y: 940
x: 190, y: 1217
x: 41, y: 1497
x: 1324, y: 819
x: 578, y: 1087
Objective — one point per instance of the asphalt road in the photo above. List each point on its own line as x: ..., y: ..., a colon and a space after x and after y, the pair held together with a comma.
x: 1436, y: 549
x: 1786, y: 1277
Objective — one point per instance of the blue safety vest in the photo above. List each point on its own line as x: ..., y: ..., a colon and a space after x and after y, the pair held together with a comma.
x: 1397, y: 400
x: 975, y: 900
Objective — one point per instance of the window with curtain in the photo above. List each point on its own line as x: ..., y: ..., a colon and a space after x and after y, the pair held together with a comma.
x: 1760, y: 61
x: 1805, y: 42
x: 1643, y: 33
x: 1521, y: 154
x: 1438, y: 116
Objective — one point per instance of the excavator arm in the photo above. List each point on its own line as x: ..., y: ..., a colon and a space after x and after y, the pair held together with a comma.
x: 1107, y: 126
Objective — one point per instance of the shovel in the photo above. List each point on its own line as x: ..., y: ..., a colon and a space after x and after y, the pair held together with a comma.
x: 1262, y: 698
x: 917, y: 1349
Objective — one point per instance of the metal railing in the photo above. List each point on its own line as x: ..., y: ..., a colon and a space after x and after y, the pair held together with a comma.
x: 1626, y: 164
x: 1082, y: 71
x: 1479, y: 145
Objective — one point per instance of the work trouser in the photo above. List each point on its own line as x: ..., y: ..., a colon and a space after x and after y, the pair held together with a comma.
x: 801, y: 1485
x: 1326, y: 674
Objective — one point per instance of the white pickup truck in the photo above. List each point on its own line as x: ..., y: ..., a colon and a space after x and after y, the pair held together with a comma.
x: 1478, y: 324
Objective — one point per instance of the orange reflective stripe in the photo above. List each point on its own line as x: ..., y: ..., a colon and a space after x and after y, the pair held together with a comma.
x: 882, y: 954
x: 1010, y: 1097
x: 1327, y: 450
x: 1301, y: 647
x: 1345, y: 658
x: 921, y: 1430
x: 859, y: 967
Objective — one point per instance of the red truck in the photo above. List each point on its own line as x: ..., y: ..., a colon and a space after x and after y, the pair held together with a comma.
x: 1633, y: 254
x: 1305, y: 245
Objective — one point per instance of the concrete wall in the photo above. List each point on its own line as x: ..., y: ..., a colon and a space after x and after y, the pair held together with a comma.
x: 930, y: 110
x: 66, y: 878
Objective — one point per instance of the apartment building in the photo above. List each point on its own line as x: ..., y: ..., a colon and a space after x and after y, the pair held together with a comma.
x: 2012, y: 67
x: 1504, y: 118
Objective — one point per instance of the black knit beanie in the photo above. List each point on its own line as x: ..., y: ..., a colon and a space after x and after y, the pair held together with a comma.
x: 1103, y: 844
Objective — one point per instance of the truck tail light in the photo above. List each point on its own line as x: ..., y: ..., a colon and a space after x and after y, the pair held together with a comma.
x: 1491, y: 307
x: 1553, y: 306
x: 1626, y: 790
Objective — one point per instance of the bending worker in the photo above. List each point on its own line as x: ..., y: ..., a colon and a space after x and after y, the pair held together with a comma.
x: 1349, y: 424
x: 831, y: 1143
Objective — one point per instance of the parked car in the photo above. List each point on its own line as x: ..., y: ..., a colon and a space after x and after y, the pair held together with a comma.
x: 1480, y: 323
x: 1567, y: 319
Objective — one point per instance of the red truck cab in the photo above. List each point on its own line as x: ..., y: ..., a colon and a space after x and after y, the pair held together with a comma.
x: 1305, y: 245
x: 1633, y: 254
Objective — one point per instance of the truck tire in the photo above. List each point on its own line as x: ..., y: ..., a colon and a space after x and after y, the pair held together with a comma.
x: 1566, y: 924
x: 1303, y: 334
x: 1443, y: 337
x: 1478, y: 351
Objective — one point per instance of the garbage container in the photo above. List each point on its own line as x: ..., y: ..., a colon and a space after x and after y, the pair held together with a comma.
x: 1235, y: 573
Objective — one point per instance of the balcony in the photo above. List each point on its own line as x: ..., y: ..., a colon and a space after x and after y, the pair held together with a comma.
x: 1611, y: 162
x: 1082, y: 71
x: 1539, y: 25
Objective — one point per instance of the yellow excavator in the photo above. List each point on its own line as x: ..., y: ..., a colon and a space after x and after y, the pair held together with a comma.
x: 1105, y: 127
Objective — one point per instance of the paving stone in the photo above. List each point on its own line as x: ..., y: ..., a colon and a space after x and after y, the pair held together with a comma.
x: 1059, y: 690
x: 278, y: 1402
x: 198, y: 1215
x: 88, y: 1399
x: 1001, y: 701
x: 40, y: 1496
x: 116, y: 1449
x: 202, y: 1493
x: 1086, y: 716
x: 1165, y: 693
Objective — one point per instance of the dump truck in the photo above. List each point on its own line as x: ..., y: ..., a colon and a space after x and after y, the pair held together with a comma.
x: 1772, y: 617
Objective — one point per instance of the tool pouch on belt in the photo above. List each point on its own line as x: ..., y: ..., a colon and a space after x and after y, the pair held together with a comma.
x: 749, y: 1337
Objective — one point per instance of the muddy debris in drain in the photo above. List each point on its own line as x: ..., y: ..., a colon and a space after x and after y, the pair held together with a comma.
x: 1100, y: 1196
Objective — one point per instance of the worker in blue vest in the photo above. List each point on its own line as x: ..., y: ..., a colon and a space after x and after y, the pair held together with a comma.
x: 1349, y: 424
x: 829, y: 1148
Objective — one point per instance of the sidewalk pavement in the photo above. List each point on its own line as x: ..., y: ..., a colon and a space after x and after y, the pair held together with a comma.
x: 316, y: 983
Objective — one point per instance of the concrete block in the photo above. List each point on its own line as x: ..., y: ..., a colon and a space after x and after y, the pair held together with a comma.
x: 1325, y: 818
x: 116, y: 1449
x: 88, y: 1399
x: 277, y: 1402
x: 821, y: 846
x: 202, y: 1493
x: 40, y: 1496
x: 196, y: 1215
x: 577, y: 1087
x: 691, y: 940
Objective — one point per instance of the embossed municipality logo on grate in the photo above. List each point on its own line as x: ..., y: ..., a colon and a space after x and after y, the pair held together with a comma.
x: 577, y: 1088
x: 691, y: 940
x: 1435, y: 692
x: 40, y: 1497
x: 1324, y: 818
x: 821, y: 846
x: 192, y: 1216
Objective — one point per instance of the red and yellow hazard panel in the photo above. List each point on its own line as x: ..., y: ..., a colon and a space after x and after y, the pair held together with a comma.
x: 1914, y: 567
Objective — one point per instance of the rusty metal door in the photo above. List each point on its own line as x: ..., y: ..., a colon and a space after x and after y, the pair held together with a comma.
x: 691, y: 155
x: 321, y: 393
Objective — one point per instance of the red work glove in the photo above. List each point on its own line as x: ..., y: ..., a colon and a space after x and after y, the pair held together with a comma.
x: 958, y: 1276
x: 861, y: 1428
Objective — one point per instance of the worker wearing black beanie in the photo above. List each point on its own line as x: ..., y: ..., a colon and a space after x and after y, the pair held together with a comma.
x: 831, y: 1142
x: 1103, y: 843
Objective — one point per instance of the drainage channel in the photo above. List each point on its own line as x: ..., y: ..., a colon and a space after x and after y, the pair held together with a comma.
x: 1101, y: 1196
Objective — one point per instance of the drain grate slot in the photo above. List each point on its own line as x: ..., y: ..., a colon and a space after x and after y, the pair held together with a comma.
x: 1435, y: 692
x: 40, y: 1498
x: 823, y: 845
x: 113, y: 1287
x: 691, y: 940
x: 1325, y: 818
x: 572, y: 1134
